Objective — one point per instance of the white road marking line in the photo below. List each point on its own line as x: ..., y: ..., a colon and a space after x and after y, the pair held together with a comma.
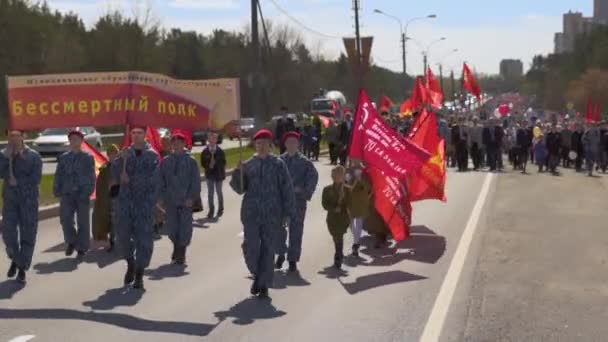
x: 434, y: 325
x: 23, y: 338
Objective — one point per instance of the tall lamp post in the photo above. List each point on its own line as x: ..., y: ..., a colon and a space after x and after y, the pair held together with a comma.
x: 403, y: 31
x: 425, y: 53
x: 441, y: 66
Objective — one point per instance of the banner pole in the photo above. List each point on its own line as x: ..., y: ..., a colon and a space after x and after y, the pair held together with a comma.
x: 242, y: 180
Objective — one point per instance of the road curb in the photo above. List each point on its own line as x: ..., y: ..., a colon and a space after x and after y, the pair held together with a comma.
x: 52, y: 211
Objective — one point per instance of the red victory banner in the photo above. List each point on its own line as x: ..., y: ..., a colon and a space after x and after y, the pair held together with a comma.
x: 99, y: 159
x: 119, y: 98
x: 390, y: 200
x: 469, y: 83
x: 433, y: 88
x: 380, y: 146
x: 429, y: 181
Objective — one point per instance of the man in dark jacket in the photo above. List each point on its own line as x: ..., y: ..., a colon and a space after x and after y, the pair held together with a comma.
x: 554, y: 143
x: 213, y: 161
x: 284, y: 124
x: 460, y: 139
x: 578, y: 147
x: 524, y: 144
x: 344, y: 138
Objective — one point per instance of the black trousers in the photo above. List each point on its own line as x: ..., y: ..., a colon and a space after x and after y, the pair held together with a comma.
x: 462, y: 157
x: 315, y: 150
x: 339, y: 249
x: 342, y: 155
x: 523, y: 157
x: 476, y: 156
x: 333, y: 156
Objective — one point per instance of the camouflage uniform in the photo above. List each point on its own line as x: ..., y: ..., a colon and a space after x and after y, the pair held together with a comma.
x: 136, y: 203
x: 74, y: 183
x: 20, y: 211
x: 268, y: 200
x: 180, y: 181
x: 335, y: 200
x: 304, y: 177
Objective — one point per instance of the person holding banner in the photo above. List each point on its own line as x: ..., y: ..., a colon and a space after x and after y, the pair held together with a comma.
x: 21, y: 171
x: 268, y: 203
x: 180, y: 188
x: 104, y: 207
x: 137, y: 172
x: 74, y: 184
x: 304, y: 177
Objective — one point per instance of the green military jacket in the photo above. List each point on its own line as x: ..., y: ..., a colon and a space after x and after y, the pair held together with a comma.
x: 338, y: 218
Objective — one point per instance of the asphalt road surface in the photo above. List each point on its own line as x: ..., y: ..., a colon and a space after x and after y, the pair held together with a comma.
x: 507, y: 258
x: 50, y: 164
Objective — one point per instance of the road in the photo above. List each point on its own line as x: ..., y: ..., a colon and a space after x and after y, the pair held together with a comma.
x: 49, y: 165
x: 498, y: 262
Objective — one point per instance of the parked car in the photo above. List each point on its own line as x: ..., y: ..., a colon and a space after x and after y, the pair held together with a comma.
x: 201, y: 137
x: 54, y: 141
x: 247, y: 127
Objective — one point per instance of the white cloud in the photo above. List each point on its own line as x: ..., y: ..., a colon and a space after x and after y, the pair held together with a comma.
x: 205, y: 4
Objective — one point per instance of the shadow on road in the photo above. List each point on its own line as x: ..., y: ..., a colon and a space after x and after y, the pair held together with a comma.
x: 282, y: 280
x: 124, y: 296
x: 204, y: 222
x: 55, y: 249
x: 58, y: 266
x: 331, y: 272
x: 120, y: 320
x: 372, y: 281
x: 9, y: 288
x: 167, y: 271
x: 424, y: 245
x: 249, y: 310
x: 101, y: 257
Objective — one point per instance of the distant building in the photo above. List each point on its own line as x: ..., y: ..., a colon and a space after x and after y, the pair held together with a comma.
x: 511, y: 68
x: 600, y: 11
x: 559, y: 43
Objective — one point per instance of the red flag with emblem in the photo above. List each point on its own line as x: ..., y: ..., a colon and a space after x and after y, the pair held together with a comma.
x: 98, y: 158
x: 429, y: 181
x: 433, y: 88
x: 469, y: 83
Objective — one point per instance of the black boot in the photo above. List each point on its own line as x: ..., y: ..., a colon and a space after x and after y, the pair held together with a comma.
x: 174, y: 253
x: 12, y: 270
x: 356, y: 250
x: 21, y: 276
x: 181, y: 255
x: 263, y: 292
x: 80, y: 256
x: 220, y: 212
x: 210, y: 214
x: 139, y: 279
x: 255, y: 289
x: 130, y: 274
x: 293, y: 266
x: 69, y: 250
x: 280, y: 260
x: 111, y: 248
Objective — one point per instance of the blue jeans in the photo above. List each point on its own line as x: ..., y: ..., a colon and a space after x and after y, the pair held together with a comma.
x: 215, y: 186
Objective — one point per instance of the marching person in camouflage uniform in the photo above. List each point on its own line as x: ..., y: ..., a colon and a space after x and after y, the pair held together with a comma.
x: 304, y: 178
x: 268, y: 203
x: 180, y: 187
x: 21, y: 171
x: 138, y: 179
x: 74, y: 184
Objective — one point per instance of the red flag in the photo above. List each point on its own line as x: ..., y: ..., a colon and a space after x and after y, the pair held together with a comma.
x: 588, y: 112
x: 385, y: 102
x: 596, y: 113
x: 380, y: 146
x: 469, y: 82
x: 433, y: 88
x: 99, y: 159
x: 419, y: 95
x: 324, y: 120
x: 429, y: 181
x: 406, y: 108
x: 391, y: 202
x: 187, y: 133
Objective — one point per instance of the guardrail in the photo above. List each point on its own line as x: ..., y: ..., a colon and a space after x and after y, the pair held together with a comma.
x: 29, y: 141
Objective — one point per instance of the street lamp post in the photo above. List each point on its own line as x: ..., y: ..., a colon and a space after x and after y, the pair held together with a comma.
x: 403, y: 31
x: 425, y: 53
x: 441, y: 66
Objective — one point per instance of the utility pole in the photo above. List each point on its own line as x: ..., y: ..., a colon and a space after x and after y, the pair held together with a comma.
x: 256, y: 70
x: 403, y: 38
x: 424, y: 58
x: 356, y: 8
x: 453, y: 86
x: 441, y: 77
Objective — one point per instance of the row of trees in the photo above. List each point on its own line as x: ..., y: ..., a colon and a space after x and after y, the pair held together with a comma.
x: 559, y: 79
x: 35, y: 40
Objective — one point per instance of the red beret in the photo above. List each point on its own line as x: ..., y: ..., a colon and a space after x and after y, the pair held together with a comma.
x: 291, y: 134
x: 75, y: 132
x: 263, y: 134
x: 180, y: 136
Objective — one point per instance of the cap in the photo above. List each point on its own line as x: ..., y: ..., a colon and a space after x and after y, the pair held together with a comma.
x: 291, y: 134
x: 263, y: 134
x: 180, y: 136
x: 75, y: 132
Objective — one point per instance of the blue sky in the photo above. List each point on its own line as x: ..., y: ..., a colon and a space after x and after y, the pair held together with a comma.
x: 483, y: 31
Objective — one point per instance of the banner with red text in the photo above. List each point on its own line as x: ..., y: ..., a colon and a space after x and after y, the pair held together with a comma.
x: 119, y: 98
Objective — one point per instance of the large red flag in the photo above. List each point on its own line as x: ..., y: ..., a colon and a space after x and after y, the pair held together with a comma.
x: 406, y: 108
x: 596, y: 113
x: 469, y: 83
x: 429, y: 181
x: 391, y: 202
x: 378, y: 145
x: 589, y: 110
x: 433, y: 88
x: 419, y: 95
x: 99, y: 159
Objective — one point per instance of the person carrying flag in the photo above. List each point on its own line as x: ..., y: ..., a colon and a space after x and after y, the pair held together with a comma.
x: 21, y: 171
x: 268, y: 203
x: 74, y: 184
x: 304, y: 177
x: 180, y: 188
x: 137, y: 172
